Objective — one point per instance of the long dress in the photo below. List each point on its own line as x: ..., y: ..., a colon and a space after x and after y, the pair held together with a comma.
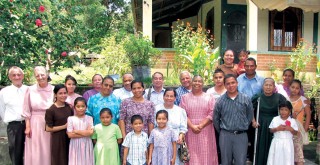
x: 37, y: 148
x: 80, y: 149
x: 71, y: 98
x: 281, y: 150
x: 162, y: 141
x: 267, y: 111
x: 106, y: 150
x: 58, y: 116
x: 202, y: 146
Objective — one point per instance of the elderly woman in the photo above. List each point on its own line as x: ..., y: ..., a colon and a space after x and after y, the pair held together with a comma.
x: 200, y: 137
x: 177, y: 117
x: 38, y: 98
x: 269, y: 103
x: 96, y: 82
x: 229, y: 67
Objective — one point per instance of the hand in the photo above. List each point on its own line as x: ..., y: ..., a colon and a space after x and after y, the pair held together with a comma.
x: 306, y: 128
x: 255, y: 124
x: 172, y: 162
x: 28, y: 132
x: 149, y: 161
x: 195, y: 129
x: 124, y: 162
x: 281, y: 128
x: 181, y: 138
x: 288, y: 128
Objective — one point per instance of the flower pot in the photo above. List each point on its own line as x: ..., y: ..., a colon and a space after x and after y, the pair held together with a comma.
x: 141, y: 72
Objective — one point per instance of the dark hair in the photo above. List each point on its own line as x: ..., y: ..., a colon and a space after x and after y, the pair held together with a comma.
x: 252, y: 59
x: 195, y: 76
x: 108, y: 78
x: 289, y: 70
x: 247, y: 52
x: 164, y: 112
x: 170, y: 89
x: 229, y: 76
x: 69, y: 77
x: 107, y: 110
x: 297, y: 81
x: 80, y: 99
x: 218, y: 70
x: 96, y: 75
x: 157, y: 73
x: 136, y: 117
x: 137, y: 81
x: 228, y: 50
x: 58, y: 87
x: 286, y: 104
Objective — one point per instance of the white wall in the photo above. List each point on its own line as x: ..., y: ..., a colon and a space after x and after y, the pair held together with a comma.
x: 263, y: 30
x: 307, y: 27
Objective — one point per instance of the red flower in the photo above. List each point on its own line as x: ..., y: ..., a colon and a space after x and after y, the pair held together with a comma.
x: 38, y: 22
x: 41, y: 8
x: 47, y: 51
x: 288, y: 123
x: 63, y: 54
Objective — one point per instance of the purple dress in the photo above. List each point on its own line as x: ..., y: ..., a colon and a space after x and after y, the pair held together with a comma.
x: 162, y: 141
x: 89, y: 93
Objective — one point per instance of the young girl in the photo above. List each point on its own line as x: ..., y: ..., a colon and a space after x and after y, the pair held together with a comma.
x: 218, y: 88
x: 283, y: 127
x: 106, y: 138
x: 243, y: 55
x: 71, y: 84
x: 80, y: 128
x: 300, y: 111
x: 56, y: 122
x: 162, y: 142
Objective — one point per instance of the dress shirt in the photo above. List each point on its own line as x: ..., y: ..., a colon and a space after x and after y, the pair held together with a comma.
x: 156, y: 97
x: 250, y: 87
x: 137, y: 145
x: 122, y: 93
x: 180, y: 91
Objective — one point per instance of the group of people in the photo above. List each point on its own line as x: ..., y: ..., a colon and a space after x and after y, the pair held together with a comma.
x: 136, y: 125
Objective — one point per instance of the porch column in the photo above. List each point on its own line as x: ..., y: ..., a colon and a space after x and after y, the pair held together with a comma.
x: 252, y: 30
x: 147, y: 18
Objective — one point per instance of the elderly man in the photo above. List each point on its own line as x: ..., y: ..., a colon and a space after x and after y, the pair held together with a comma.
x: 233, y: 114
x: 185, y: 80
x: 125, y: 92
x: 155, y: 93
x: 11, y: 103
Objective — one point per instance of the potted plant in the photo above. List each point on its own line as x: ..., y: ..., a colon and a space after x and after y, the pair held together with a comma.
x: 142, y: 55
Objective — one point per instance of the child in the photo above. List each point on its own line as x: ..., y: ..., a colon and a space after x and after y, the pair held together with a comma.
x: 243, y: 55
x: 135, y: 144
x: 284, y: 127
x: 106, y: 138
x: 80, y: 128
x: 218, y: 89
x: 301, y: 111
x: 162, y: 142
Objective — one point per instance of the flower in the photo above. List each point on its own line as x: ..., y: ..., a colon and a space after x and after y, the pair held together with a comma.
x: 47, y: 51
x: 38, y: 22
x: 63, y: 54
x: 288, y: 123
x: 41, y: 8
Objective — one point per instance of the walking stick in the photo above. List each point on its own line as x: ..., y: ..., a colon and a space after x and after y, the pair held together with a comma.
x: 256, y: 133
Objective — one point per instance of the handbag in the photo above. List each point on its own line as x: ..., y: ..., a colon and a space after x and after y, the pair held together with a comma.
x: 183, y: 153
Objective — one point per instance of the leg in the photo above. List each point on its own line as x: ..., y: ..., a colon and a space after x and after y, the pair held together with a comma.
x: 240, y: 149
x: 225, y: 147
x: 16, y: 138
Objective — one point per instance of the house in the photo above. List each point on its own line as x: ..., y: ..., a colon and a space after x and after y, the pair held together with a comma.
x: 269, y: 29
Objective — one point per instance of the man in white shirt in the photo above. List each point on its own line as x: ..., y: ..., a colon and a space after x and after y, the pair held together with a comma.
x: 155, y: 93
x: 125, y: 91
x: 11, y: 106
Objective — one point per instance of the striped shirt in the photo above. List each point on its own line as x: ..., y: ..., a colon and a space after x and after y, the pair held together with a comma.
x: 137, y: 145
x: 233, y: 114
x: 180, y: 91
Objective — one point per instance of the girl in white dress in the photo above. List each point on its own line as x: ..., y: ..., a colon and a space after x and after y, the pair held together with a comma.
x: 284, y: 127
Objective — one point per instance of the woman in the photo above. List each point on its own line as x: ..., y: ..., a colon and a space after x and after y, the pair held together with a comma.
x: 284, y: 88
x: 71, y: 84
x: 38, y: 98
x: 136, y: 105
x: 177, y: 117
x: 218, y: 88
x: 269, y: 103
x: 56, y: 123
x: 229, y: 67
x: 200, y: 137
x: 96, y: 82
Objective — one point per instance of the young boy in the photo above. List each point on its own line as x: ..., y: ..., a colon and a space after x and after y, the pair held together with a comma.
x: 135, y: 144
x: 243, y: 55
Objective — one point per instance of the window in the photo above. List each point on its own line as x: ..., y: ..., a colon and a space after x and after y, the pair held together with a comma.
x: 285, y: 29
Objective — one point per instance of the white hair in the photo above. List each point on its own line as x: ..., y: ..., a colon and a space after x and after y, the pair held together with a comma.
x: 15, y: 68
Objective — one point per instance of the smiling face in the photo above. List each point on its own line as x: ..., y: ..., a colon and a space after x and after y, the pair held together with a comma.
x: 16, y: 77
x: 287, y: 77
x: 97, y: 81
x: 250, y: 68
x: 295, y: 89
x: 107, y: 87
x: 185, y: 80
x: 268, y: 87
x: 169, y: 98
x: 137, y: 90
x: 71, y: 86
x: 243, y: 56
x: 218, y: 79
x: 61, y: 95
x: 231, y: 85
x: 41, y: 76
x: 80, y: 108
x: 197, y: 83
x: 228, y: 57
x: 284, y: 113
x: 162, y: 120
x: 137, y: 125
x: 126, y: 81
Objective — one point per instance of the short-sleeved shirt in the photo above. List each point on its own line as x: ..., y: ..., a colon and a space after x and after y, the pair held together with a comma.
x: 155, y: 97
x: 122, y: 93
x: 180, y: 91
x: 137, y: 145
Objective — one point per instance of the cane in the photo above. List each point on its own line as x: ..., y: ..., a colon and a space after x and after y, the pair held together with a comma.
x: 256, y: 133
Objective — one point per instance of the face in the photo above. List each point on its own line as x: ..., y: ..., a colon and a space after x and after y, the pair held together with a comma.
x: 287, y: 77
x: 80, y: 108
x: 185, y: 80
x: 231, y: 85
x: 218, y: 79
x: 61, y: 95
x: 16, y: 77
x: 41, y: 76
x: 228, y: 57
x: 243, y: 56
x: 126, y: 81
x: 284, y: 112
x: 105, y: 118
x: 97, y: 80
x: 268, y: 87
x: 169, y: 97
x: 137, y: 90
x: 157, y: 81
x: 295, y: 89
x: 162, y: 120
x: 107, y: 87
x: 197, y: 83
x: 137, y: 125
x: 71, y: 86
x: 250, y: 67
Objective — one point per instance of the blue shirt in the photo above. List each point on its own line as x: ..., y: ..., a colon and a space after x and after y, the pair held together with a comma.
x: 137, y: 145
x: 155, y: 97
x: 180, y: 91
x: 97, y: 102
x: 250, y: 87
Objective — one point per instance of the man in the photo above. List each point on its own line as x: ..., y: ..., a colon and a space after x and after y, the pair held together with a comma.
x: 125, y: 91
x: 155, y: 93
x: 185, y: 80
x: 233, y: 114
x: 11, y: 105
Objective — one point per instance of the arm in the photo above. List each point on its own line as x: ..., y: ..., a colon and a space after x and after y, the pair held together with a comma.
x: 122, y: 128
x: 84, y: 133
x: 28, y: 128
x: 174, y: 147
x: 125, y: 155
x: 150, y: 153
x: 56, y: 128
x: 279, y: 128
x: 193, y: 127
x: 307, y: 112
x: 119, y: 141
x: 150, y: 127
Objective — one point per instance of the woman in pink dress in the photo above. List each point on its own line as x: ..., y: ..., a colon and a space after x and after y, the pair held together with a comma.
x: 71, y: 84
x: 38, y: 98
x: 200, y: 137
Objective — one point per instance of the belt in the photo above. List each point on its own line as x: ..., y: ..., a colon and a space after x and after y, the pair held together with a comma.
x: 235, y: 132
x: 17, y: 122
